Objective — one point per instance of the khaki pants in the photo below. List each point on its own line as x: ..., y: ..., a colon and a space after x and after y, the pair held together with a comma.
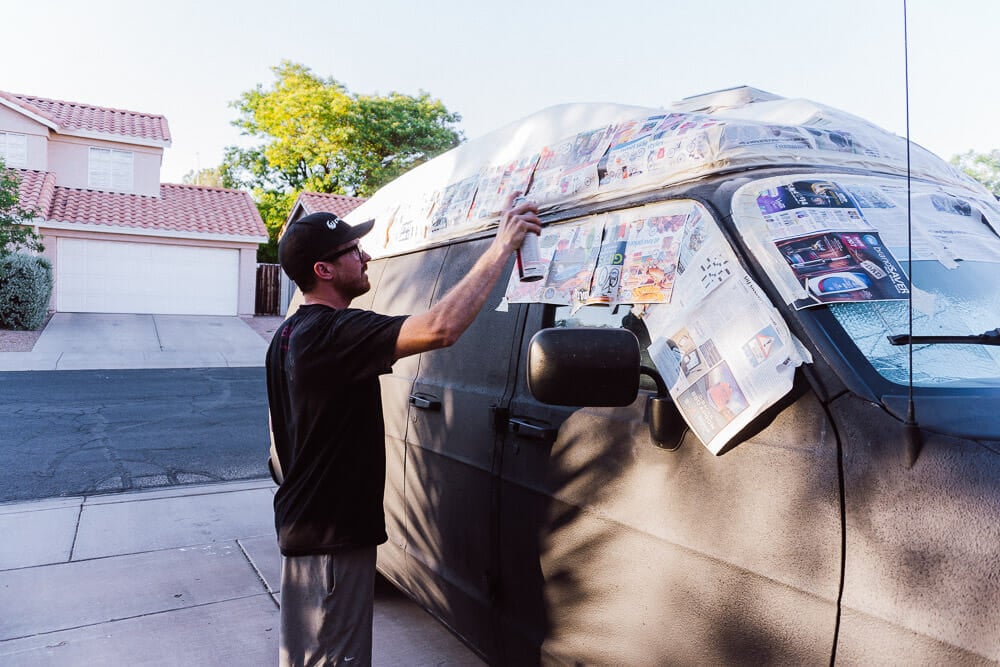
x: 327, y: 607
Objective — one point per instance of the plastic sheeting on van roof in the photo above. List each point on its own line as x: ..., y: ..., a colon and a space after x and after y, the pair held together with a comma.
x: 573, y: 154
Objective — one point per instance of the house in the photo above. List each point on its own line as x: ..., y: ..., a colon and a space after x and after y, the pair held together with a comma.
x: 308, y: 203
x: 118, y: 239
x: 315, y: 202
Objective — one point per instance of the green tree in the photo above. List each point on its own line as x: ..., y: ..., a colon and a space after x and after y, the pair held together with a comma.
x: 984, y: 167
x: 15, y: 234
x: 315, y: 135
x: 209, y: 177
x: 274, y: 208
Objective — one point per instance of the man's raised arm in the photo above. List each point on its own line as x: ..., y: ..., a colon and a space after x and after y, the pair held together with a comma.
x: 448, y: 319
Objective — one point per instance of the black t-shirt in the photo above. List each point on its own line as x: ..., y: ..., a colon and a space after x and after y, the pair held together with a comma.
x: 326, y: 414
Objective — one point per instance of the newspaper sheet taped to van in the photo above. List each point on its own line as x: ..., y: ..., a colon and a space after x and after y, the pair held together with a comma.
x: 627, y: 256
x: 834, y: 238
x: 570, y: 155
x: 669, y: 261
x: 724, y: 352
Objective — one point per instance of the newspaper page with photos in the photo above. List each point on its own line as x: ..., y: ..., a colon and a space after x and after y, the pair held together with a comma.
x: 724, y: 351
x: 407, y: 223
x: 497, y: 183
x: 569, y: 255
x: 639, y: 255
x: 642, y: 152
x: 610, y: 261
x: 626, y: 256
x: 722, y: 348
x: 946, y: 227
x: 650, y: 262
x: 826, y: 249
x: 626, y: 152
x: 942, y: 226
x: 454, y: 204
x: 568, y: 169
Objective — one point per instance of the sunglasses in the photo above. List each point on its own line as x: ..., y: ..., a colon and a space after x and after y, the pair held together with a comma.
x: 356, y: 249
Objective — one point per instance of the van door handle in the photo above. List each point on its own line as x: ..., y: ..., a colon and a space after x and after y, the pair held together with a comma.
x: 425, y: 401
x: 527, y: 429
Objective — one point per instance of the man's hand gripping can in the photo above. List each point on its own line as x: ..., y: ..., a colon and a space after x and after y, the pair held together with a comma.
x: 529, y: 256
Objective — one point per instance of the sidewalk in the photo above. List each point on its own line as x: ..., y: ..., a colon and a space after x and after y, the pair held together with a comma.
x: 185, y: 575
x: 87, y: 341
x: 179, y: 576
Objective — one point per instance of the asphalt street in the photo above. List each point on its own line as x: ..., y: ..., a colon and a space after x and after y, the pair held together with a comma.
x: 182, y: 570
x: 67, y: 433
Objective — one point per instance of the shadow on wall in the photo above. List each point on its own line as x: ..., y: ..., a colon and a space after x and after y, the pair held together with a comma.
x: 648, y: 556
x: 601, y: 548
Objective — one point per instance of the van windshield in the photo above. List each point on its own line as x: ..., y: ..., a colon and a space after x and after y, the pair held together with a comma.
x: 846, y: 243
x: 956, y: 301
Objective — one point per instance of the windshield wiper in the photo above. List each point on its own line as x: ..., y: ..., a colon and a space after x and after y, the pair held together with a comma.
x: 987, y: 338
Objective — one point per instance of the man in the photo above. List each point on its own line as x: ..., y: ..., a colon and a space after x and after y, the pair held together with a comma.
x: 326, y: 411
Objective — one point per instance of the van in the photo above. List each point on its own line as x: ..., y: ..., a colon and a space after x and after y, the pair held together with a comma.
x: 749, y: 415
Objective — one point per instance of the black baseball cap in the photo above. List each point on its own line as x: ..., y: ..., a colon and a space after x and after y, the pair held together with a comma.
x: 311, y: 238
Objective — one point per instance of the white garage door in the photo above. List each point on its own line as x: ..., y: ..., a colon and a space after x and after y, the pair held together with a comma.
x: 118, y: 277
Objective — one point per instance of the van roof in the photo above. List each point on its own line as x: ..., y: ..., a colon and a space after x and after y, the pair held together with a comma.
x: 573, y: 154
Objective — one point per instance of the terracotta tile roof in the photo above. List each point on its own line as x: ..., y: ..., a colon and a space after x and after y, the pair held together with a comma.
x: 36, y: 189
x: 74, y: 116
x: 180, y: 209
x: 315, y: 202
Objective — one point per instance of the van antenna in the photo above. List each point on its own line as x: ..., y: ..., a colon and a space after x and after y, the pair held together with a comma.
x: 911, y: 431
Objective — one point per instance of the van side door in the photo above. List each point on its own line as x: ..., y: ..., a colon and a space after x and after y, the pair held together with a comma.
x: 405, y: 285
x: 451, y: 466
x: 618, y: 552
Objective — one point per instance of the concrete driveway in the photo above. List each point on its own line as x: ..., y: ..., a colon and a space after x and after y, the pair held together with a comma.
x: 90, y: 341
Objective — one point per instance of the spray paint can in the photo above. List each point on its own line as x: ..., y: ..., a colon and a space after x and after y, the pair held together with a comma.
x: 529, y: 259
x: 529, y: 256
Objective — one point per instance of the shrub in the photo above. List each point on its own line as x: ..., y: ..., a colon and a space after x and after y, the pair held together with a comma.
x: 25, y: 290
x: 15, y: 220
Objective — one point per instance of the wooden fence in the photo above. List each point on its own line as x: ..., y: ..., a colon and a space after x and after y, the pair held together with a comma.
x: 268, y: 299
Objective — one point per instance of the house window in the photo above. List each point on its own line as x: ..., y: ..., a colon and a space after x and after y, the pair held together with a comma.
x: 110, y: 169
x: 14, y: 149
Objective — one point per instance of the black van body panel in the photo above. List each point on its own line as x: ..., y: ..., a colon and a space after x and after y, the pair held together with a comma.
x: 450, y: 482
x: 912, y: 534
x: 690, y: 558
x: 808, y: 540
x: 405, y: 286
x: 665, y: 531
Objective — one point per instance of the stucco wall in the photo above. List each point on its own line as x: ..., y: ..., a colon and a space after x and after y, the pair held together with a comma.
x: 69, y: 158
x: 36, y: 137
x: 248, y: 279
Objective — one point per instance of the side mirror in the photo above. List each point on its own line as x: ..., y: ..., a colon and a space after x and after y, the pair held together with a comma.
x: 585, y: 367
x: 600, y: 368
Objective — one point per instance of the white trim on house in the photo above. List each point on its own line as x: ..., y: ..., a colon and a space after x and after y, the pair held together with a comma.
x: 13, y: 106
x: 108, y: 136
x: 134, y: 231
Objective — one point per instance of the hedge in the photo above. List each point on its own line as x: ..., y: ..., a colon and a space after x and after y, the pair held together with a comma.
x: 25, y: 290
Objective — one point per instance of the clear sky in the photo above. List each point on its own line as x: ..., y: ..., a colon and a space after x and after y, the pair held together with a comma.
x: 496, y: 62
